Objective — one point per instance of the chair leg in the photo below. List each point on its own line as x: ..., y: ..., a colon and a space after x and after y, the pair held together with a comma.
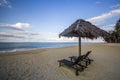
x: 71, y: 59
x: 60, y: 64
x: 89, y: 61
x: 77, y: 72
x: 86, y: 63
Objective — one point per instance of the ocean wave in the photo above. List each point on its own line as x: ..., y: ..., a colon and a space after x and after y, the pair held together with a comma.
x: 15, y: 50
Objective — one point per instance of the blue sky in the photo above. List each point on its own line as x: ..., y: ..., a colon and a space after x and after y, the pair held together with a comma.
x: 43, y: 20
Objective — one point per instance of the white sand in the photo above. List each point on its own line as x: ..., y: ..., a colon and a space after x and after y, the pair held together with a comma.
x: 42, y: 64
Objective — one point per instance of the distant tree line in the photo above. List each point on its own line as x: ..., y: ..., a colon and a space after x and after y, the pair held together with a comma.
x: 114, y: 35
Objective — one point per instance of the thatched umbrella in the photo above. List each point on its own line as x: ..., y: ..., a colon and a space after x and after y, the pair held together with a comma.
x: 84, y: 29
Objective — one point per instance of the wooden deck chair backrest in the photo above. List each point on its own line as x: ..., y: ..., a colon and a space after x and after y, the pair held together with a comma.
x: 86, y: 55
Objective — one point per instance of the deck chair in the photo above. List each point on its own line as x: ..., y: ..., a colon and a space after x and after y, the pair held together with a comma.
x: 85, y: 59
x: 77, y: 67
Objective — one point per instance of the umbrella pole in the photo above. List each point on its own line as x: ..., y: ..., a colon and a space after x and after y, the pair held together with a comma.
x: 79, y: 46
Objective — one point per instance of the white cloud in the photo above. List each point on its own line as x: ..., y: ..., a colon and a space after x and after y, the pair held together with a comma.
x: 104, y: 16
x: 16, y: 32
x: 100, y: 20
x: 12, y: 39
x: 62, y: 39
x: 20, y: 33
x: 17, y: 26
x: 5, y: 3
x: 16, y: 36
x: 108, y: 27
x: 9, y: 35
x: 20, y: 25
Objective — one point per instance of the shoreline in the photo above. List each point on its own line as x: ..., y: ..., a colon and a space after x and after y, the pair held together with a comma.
x: 19, y: 50
x: 9, y: 52
x: 25, y: 46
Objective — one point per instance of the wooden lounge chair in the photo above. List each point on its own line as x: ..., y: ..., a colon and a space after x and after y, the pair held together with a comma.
x: 74, y: 65
x: 85, y: 59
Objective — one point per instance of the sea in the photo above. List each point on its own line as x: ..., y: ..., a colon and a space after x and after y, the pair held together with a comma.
x: 23, y: 46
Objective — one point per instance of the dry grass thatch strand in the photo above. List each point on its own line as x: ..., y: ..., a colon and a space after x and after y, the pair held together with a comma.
x: 85, y: 29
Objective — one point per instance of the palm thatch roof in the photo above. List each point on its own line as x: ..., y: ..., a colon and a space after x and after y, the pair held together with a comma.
x: 84, y: 29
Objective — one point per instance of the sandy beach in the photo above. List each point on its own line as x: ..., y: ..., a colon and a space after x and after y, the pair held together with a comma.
x: 41, y: 64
